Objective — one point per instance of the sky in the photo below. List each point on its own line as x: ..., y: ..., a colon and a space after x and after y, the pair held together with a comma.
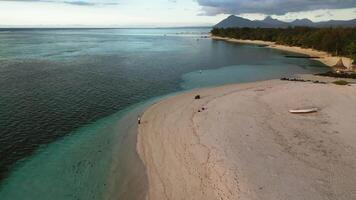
x: 163, y: 13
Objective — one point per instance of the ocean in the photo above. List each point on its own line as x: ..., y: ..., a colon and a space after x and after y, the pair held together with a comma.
x: 70, y: 98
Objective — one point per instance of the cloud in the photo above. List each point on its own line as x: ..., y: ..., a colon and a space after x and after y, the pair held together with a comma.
x: 75, y: 2
x: 79, y: 3
x: 277, y: 7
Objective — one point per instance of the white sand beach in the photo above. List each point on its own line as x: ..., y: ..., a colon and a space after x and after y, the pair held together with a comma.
x: 324, y: 57
x: 246, y: 145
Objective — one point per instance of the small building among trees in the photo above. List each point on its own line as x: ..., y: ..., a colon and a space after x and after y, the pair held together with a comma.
x: 339, y: 66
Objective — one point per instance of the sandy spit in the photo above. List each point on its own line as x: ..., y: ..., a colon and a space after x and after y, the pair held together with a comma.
x: 246, y: 145
x: 324, y: 57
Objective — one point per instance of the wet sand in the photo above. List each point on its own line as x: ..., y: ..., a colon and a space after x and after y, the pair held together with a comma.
x: 324, y: 57
x: 127, y: 178
x: 245, y: 144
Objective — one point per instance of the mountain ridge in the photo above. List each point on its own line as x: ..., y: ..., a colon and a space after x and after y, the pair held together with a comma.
x: 239, y: 22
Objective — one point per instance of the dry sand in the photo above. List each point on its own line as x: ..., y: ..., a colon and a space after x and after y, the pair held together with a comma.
x: 324, y: 57
x: 246, y: 145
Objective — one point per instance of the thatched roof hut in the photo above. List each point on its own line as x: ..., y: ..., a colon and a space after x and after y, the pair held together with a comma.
x: 339, y: 66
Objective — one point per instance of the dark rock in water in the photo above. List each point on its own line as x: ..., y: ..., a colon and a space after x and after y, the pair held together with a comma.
x: 197, y: 97
x: 338, y: 75
x: 302, y: 57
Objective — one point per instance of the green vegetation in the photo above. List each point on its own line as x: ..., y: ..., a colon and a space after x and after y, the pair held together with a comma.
x: 341, y: 82
x: 338, y: 41
x: 351, y: 49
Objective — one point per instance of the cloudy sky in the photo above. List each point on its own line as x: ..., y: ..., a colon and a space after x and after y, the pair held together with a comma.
x: 153, y: 13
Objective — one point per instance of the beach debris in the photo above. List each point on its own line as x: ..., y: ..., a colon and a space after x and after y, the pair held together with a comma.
x: 304, y: 111
x: 197, y: 97
x: 260, y: 90
x: 339, y: 74
x: 301, y: 80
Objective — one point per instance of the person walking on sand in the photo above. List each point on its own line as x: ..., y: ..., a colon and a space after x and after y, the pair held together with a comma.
x: 139, y: 120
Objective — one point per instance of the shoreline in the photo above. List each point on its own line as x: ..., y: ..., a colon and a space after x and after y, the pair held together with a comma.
x: 101, y: 156
x: 254, y: 151
x: 323, y: 57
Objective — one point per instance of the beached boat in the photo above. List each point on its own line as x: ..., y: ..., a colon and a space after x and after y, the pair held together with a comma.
x: 302, y: 111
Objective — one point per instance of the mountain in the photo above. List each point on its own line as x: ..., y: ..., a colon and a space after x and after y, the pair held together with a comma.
x: 234, y: 21
x: 334, y: 23
x: 269, y: 22
x: 302, y: 22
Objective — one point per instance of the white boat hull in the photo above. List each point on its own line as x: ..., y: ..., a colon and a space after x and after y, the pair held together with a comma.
x: 302, y: 111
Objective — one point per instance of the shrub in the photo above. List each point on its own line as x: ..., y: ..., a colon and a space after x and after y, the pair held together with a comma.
x: 341, y: 82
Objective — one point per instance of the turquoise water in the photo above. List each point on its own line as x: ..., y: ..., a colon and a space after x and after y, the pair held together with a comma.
x: 237, y: 74
x: 70, y: 99
x: 84, y: 165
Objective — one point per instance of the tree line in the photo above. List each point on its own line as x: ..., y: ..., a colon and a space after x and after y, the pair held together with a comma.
x: 337, y: 41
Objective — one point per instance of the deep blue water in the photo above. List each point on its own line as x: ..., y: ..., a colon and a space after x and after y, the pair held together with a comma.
x: 65, y: 95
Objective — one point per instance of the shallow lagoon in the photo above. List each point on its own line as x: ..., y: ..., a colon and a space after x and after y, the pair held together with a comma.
x: 70, y: 100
